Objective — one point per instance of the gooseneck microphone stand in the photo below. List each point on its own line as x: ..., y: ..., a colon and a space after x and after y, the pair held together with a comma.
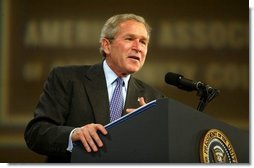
x: 206, y: 94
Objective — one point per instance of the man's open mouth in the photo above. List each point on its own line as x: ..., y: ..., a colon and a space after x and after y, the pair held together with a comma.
x: 134, y: 57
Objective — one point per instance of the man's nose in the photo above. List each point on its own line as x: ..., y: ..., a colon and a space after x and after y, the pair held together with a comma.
x: 136, y: 45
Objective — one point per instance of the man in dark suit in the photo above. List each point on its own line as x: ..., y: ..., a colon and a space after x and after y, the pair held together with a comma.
x: 75, y: 103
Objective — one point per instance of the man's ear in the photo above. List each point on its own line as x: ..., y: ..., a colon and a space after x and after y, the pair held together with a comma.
x: 106, y: 45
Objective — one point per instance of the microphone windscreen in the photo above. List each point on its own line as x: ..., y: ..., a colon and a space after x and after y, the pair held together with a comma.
x: 172, y: 78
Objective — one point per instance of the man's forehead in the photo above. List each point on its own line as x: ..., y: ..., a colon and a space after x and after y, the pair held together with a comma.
x: 129, y: 28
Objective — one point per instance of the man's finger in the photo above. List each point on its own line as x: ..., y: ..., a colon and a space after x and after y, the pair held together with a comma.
x: 129, y: 110
x: 101, y: 129
x: 95, y: 136
x: 90, y: 140
x: 97, y: 139
x: 85, y: 144
x: 141, y: 101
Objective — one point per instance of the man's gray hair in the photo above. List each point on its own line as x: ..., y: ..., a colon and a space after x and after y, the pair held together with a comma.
x: 110, y: 28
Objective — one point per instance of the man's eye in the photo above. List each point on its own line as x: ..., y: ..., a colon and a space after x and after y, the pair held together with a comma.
x: 143, y: 42
x: 129, y: 38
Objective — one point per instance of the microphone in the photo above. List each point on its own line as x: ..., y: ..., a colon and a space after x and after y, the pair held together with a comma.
x: 183, y: 83
x: 206, y: 92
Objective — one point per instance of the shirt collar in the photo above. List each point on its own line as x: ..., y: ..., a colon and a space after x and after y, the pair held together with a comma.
x: 111, y: 76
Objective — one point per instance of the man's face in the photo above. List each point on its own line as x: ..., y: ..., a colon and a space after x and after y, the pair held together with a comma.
x: 126, y: 53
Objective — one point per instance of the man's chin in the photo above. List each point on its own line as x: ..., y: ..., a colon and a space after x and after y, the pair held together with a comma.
x: 132, y: 71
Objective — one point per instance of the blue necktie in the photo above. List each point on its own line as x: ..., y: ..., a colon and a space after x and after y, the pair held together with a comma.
x: 116, y: 103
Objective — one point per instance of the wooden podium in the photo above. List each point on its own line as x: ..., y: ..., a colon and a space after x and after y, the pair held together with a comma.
x: 163, y: 131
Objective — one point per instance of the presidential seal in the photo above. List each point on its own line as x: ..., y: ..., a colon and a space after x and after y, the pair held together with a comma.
x: 215, y: 147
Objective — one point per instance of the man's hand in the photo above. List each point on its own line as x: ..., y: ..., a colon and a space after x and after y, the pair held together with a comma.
x: 141, y: 101
x: 89, y: 137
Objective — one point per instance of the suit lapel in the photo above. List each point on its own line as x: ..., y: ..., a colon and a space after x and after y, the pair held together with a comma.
x: 95, y: 84
x: 133, y: 93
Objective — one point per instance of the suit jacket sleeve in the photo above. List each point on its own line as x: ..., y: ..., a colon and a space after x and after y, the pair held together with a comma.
x: 46, y: 133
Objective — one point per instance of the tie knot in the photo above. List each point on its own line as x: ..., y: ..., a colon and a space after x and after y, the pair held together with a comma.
x: 119, y: 81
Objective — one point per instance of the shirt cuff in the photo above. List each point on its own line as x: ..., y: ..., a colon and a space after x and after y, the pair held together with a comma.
x: 70, y: 144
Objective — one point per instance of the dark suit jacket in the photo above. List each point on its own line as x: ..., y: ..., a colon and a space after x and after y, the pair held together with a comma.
x: 74, y: 96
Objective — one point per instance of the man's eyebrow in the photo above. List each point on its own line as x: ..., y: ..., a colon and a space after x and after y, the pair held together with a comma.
x: 134, y: 35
